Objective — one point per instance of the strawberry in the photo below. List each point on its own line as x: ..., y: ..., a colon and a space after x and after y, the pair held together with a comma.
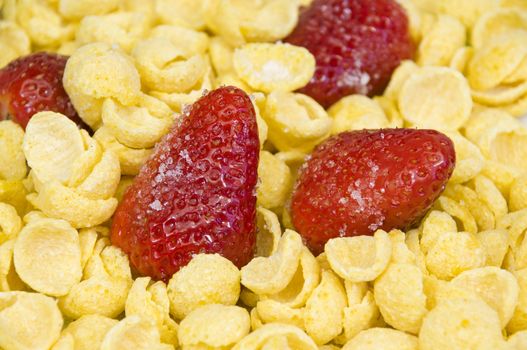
x: 32, y: 84
x: 360, y: 181
x: 356, y: 43
x: 197, y: 192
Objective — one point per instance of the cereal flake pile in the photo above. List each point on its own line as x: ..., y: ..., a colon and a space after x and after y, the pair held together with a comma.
x: 458, y: 280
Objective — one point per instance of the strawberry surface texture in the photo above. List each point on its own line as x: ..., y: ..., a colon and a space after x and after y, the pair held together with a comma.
x: 357, y: 45
x: 33, y: 84
x: 357, y: 182
x: 197, y: 192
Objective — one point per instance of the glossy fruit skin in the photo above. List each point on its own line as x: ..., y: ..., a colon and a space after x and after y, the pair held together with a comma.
x: 356, y: 43
x: 197, y: 192
x: 33, y: 84
x: 360, y: 181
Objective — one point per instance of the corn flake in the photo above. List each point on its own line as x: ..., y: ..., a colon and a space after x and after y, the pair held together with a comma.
x: 357, y: 112
x: 28, y: 321
x: 382, y: 338
x: 214, y: 326
x: 360, y: 258
x: 269, y: 232
x: 207, y: 279
x: 133, y: 333
x: 441, y: 42
x: 274, y: 67
x: 14, y: 42
x: 9, y: 279
x: 86, y: 333
x: 265, y: 338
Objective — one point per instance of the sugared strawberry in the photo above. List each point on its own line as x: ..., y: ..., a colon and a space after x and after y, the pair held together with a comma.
x: 32, y: 84
x: 197, y: 193
x: 357, y: 45
x: 358, y: 182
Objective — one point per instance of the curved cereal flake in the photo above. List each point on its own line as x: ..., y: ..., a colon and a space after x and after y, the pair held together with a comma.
x: 274, y: 67
x: 497, y: 59
x: 469, y: 160
x: 360, y: 258
x: 275, y: 181
x: 207, y: 279
x: 497, y: 22
x: 52, y: 144
x: 518, y: 194
x: 14, y: 42
x: 72, y: 9
x: 87, y: 84
x: 461, y: 58
x: 360, y: 314
x: 324, y: 309
x: 132, y: 332
x: 518, y: 321
x: 453, y: 253
x: 399, y: 76
x: 292, y: 337
x: 269, y: 232
x: 433, y: 226
x: 518, y: 340
x: 400, y: 296
x: 382, y: 338
x: 441, y: 42
x: 496, y: 244
x: 270, y: 311
x: 9, y: 279
x: 435, y: 97
x: 357, y: 112
x: 12, y: 159
x: 151, y: 303
x: 461, y: 324
x: 10, y: 222
x: 296, y: 122
x: 303, y: 283
x: 470, y: 200
x: 497, y: 287
x: 47, y: 256
x: 28, y: 321
x: 86, y: 333
x: 460, y: 211
x: 214, y: 326
x: 184, y: 13
x: 272, y: 274
x: 467, y: 11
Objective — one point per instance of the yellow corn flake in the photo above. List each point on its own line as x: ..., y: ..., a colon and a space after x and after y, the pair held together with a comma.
x: 238, y: 21
x: 9, y: 279
x: 441, y: 42
x: 104, y: 286
x: 10, y: 222
x: 435, y: 97
x: 72, y: 9
x: 207, y: 279
x: 490, y: 195
x: 269, y: 232
x: 497, y: 287
x: 130, y: 159
x: 303, y: 283
x: 467, y: 11
x: 28, y: 321
x: 275, y: 181
x: 151, y: 303
x: 461, y: 58
x: 133, y: 333
x: 399, y: 76
x: 14, y: 193
x: 270, y: 311
x: 360, y: 258
x: 87, y: 80
x: 214, y: 326
x: 496, y: 60
x: 469, y: 160
x: 518, y: 194
x: 169, y: 64
x: 324, y: 309
x: 270, y: 275
x: 389, y: 106
x: 137, y: 127
x: 399, y: 294
x: 518, y: 340
x: 47, y: 256
x: 185, y: 13
x: 518, y: 321
x: 496, y: 244
x: 497, y: 22
x: 256, y: 322
x: 14, y: 42
x: 274, y: 67
x: 471, y: 201
x: 413, y: 244
x: 296, y: 122
x: 291, y: 337
x: 382, y: 338
x: 453, y: 253
x: 433, y: 226
x: 357, y: 112
x: 361, y: 313
x: 52, y: 144
x: 461, y: 324
x: 459, y: 211
x: 86, y: 333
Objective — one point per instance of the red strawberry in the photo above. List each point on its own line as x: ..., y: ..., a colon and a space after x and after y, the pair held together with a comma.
x: 33, y: 84
x: 196, y: 194
x: 357, y: 45
x: 358, y: 182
